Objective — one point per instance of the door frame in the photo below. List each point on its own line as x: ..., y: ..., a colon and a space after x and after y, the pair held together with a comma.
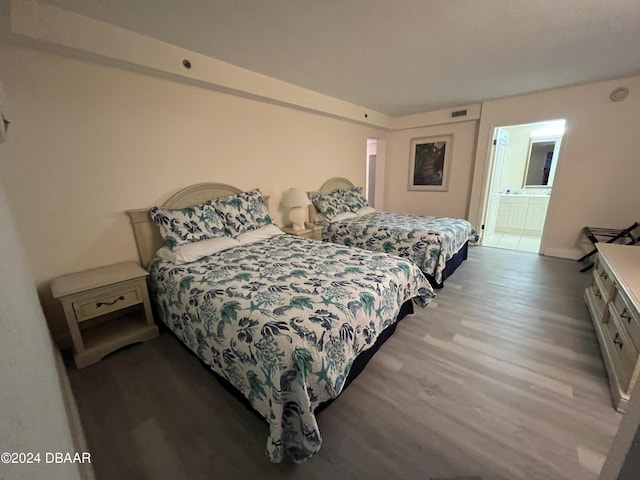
x: 490, y: 164
x: 485, y: 224
x: 378, y: 187
x: 486, y: 181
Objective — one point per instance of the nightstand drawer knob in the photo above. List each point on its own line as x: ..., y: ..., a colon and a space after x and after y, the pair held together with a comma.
x: 99, y: 304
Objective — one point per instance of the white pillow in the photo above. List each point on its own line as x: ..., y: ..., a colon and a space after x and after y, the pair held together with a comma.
x: 261, y: 233
x: 320, y: 218
x: 343, y: 216
x: 365, y: 211
x: 190, y: 252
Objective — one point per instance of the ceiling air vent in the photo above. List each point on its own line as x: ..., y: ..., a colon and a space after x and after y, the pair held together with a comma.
x: 459, y: 113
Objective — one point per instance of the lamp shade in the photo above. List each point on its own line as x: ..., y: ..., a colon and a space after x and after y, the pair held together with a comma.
x: 295, y: 197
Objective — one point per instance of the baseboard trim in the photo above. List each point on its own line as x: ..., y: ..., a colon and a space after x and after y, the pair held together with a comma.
x: 570, y: 253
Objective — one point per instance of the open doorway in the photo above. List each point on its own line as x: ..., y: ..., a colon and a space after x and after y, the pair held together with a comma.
x: 375, y: 166
x: 372, y: 154
x: 523, y: 166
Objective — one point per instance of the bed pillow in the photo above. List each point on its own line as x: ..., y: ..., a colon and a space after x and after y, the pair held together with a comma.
x: 190, y: 252
x: 179, y: 226
x: 262, y: 233
x: 320, y: 218
x: 365, y: 211
x: 243, y: 212
x: 343, y: 216
x: 330, y: 204
x: 355, y: 199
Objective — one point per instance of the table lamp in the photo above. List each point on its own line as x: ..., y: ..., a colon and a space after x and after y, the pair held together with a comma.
x: 296, y: 200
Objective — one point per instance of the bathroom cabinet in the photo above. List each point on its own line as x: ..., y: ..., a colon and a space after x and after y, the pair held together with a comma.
x: 524, y: 214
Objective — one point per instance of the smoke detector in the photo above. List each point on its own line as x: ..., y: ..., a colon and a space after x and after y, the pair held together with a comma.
x: 619, y: 94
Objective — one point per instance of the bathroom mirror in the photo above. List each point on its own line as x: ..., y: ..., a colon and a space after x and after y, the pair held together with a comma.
x: 541, y: 162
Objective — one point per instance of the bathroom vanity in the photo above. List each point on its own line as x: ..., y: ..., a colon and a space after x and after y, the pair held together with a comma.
x: 523, y: 214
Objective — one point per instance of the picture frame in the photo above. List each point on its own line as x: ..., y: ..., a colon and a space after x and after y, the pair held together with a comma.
x: 430, y: 163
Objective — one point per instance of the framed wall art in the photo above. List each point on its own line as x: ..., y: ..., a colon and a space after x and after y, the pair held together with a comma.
x: 430, y: 163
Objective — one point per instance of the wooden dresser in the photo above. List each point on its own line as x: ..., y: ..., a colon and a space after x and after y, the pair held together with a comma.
x: 613, y: 299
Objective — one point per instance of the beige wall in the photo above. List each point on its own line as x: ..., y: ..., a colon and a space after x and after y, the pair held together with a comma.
x: 452, y: 203
x: 31, y: 404
x: 596, y: 181
x: 40, y: 23
x: 89, y: 142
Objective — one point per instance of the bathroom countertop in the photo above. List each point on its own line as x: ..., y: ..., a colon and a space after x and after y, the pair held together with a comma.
x: 524, y: 195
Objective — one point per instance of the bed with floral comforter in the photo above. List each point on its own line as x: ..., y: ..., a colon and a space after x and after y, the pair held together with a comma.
x: 429, y: 242
x: 282, y: 320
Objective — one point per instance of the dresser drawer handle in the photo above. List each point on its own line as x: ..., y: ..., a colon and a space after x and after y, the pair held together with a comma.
x: 625, y: 315
x: 604, y: 275
x: 617, y: 340
x: 99, y: 304
x: 598, y: 294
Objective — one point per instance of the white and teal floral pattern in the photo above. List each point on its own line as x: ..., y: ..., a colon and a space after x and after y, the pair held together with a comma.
x: 354, y: 198
x: 243, y: 212
x: 185, y: 225
x: 282, y: 320
x: 330, y: 204
x: 427, y: 241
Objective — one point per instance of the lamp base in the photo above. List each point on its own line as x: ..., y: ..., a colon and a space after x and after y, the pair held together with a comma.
x: 296, y: 215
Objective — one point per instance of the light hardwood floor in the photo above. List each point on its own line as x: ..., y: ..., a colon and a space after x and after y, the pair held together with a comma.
x: 500, y: 378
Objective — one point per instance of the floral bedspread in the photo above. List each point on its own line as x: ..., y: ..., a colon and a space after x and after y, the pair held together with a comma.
x: 282, y: 320
x: 427, y: 241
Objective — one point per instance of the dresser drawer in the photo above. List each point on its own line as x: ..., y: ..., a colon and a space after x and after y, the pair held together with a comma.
x: 603, y: 277
x: 623, y: 349
x: 106, y: 303
x: 627, y: 317
x: 598, y: 298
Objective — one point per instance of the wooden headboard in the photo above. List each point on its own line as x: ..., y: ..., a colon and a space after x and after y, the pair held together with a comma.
x: 331, y: 185
x: 147, y: 233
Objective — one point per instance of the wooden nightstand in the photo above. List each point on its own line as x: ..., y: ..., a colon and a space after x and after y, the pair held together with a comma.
x: 106, y: 308
x: 311, y: 231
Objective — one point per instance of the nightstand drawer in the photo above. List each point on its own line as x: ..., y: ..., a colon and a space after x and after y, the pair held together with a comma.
x: 103, y: 304
x: 315, y: 234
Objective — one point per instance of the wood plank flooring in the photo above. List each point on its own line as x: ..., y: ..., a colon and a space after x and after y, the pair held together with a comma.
x: 499, y: 378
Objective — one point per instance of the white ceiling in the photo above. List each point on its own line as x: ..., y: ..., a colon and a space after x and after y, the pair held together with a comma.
x: 398, y: 56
